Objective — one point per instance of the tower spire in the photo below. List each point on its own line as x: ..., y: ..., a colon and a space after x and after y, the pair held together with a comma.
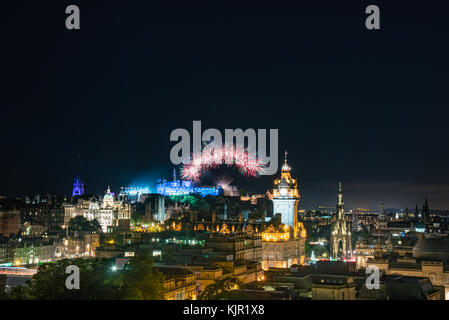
x: 340, y: 203
x: 78, y: 187
x: 341, y: 235
x: 285, y: 167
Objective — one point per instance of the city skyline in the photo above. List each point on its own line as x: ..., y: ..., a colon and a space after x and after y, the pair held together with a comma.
x: 222, y: 159
x: 353, y: 203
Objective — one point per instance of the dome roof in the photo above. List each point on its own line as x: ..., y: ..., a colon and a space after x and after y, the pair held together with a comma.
x: 108, y: 197
x: 431, y: 248
x: 432, y: 244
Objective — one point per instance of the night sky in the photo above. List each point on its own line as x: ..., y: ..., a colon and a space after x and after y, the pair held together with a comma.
x: 368, y: 108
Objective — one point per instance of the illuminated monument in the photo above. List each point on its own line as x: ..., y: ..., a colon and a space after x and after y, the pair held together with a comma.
x: 341, y: 234
x: 286, y: 196
x: 78, y: 187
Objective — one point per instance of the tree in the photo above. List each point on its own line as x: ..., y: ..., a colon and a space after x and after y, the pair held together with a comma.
x: 137, y: 218
x: 95, y: 226
x: 18, y: 293
x: 49, y: 283
x: 99, y: 280
x: 79, y: 224
x: 141, y: 281
x: 224, y: 289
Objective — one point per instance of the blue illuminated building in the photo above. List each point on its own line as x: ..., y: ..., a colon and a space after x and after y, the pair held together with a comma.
x: 134, y: 193
x: 78, y: 187
x: 183, y: 187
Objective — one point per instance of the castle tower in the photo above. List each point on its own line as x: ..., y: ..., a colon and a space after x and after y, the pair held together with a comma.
x: 340, y: 235
x: 78, y: 187
x: 286, y: 196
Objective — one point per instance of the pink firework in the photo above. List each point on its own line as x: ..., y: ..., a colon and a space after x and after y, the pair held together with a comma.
x: 245, y: 161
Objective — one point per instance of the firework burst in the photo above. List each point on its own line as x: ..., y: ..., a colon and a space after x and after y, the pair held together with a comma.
x: 223, y: 181
x: 245, y: 161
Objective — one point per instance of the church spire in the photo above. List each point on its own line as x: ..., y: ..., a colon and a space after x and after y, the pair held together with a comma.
x: 340, y: 203
x: 340, y: 195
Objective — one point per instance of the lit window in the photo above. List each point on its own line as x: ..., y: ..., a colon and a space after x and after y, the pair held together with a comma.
x: 156, y: 253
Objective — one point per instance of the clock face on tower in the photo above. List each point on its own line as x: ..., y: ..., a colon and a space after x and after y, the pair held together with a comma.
x: 283, y: 192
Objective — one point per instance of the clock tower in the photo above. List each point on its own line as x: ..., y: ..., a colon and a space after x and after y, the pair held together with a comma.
x: 286, y: 196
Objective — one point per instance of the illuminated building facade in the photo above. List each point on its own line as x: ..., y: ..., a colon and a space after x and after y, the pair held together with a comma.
x: 244, y: 271
x: 286, y: 196
x: 110, y: 213
x: 281, y: 249
x: 340, y: 234
x: 48, y: 215
x: 183, y: 187
x: 179, y: 283
x: 78, y: 187
x: 242, y: 245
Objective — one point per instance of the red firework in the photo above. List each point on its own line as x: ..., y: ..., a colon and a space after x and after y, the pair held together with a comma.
x: 245, y: 161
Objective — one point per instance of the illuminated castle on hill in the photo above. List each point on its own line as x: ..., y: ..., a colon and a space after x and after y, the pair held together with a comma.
x: 183, y: 187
